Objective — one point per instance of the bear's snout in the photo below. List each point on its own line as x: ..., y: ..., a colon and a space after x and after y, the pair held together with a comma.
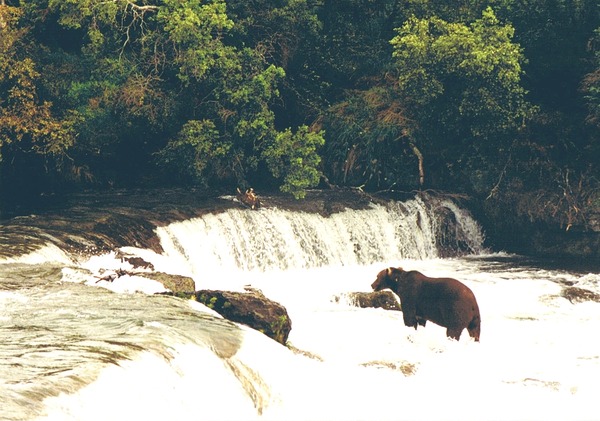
x: 376, y: 286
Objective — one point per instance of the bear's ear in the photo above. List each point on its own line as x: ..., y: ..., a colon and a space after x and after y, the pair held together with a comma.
x: 389, y: 271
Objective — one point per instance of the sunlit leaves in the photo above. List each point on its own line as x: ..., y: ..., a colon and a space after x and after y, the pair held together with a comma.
x: 477, y: 67
x: 222, y: 85
x: 251, y: 98
x: 238, y: 88
x: 294, y: 157
x: 26, y: 121
x: 195, y: 29
x: 461, y: 85
x: 196, y: 147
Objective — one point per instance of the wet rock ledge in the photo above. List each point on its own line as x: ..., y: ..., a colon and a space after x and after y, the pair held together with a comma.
x: 99, y: 222
x: 250, y: 308
x: 385, y: 299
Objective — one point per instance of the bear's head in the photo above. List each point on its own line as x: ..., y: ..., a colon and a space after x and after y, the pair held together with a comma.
x: 387, y: 278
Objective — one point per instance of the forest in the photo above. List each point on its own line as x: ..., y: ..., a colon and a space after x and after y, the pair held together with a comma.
x: 497, y: 99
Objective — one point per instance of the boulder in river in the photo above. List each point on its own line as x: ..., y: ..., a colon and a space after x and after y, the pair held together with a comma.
x: 179, y: 285
x: 579, y: 295
x: 251, y: 308
x: 379, y: 299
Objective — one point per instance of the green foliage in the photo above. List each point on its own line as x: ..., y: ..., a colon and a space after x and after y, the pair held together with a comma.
x: 27, y: 123
x: 367, y: 138
x: 222, y: 92
x: 294, y: 157
x: 461, y: 85
x: 475, y: 69
x: 196, y: 30
x: 254, y: 90
x: 287, y: 35
x: 241, y: 86
x: 196, y: 149
x: 555, y: 35
x: 591, y: 86
x: 241, y: 122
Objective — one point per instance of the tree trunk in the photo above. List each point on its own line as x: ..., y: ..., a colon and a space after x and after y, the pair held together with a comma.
x: 419, y: 156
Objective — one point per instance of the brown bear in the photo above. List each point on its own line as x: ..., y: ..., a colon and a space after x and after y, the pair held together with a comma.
x: 444, y: 301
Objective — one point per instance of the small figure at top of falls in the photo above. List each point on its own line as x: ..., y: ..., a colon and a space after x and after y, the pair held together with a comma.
x: 444, y: 301
x: 249, y: 198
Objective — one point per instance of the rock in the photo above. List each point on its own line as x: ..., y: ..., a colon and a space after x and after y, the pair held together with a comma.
x: 180, y: 286
x: 251, y: 308
x: 578, y: 295
x: 378, y: 299
x: 138, y: 262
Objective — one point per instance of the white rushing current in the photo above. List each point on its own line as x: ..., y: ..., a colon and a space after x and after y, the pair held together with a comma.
x: 278, y: 239
x: 538, y: 359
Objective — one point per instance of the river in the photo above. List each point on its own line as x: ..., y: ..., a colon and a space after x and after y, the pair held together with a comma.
x: 74, y: 346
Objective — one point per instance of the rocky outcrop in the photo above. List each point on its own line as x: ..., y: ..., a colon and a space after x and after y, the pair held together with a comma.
x: 136, y: 262
x: 378, y: 299
x: 578, y: 295
x: 250, y: 308
x: 180, y: 286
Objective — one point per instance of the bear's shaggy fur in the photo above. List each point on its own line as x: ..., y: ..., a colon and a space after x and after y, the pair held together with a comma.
x: 444, y: 301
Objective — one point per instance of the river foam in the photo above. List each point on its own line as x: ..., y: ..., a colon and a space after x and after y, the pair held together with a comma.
x: 73, y: 351
x: 536, y: 359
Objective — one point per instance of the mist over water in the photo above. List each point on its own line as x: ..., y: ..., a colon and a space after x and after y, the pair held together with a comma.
x: 74, y: 347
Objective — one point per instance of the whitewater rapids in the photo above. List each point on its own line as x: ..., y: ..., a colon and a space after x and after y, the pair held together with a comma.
x: 76, y: 348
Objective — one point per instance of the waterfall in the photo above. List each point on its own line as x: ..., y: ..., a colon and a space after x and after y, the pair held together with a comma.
x: 272, y: 238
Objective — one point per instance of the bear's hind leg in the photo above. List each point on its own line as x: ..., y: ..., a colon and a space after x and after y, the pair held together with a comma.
x: 454, y: 333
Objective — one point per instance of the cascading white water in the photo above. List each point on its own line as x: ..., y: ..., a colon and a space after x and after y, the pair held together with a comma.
x: 281, y: 239
x: 75, y: 352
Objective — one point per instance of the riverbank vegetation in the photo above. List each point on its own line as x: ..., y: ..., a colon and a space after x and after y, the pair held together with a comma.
x: 497, y: 99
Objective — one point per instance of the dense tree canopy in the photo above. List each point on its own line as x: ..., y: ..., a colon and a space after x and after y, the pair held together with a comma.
x: 495, y: 98
x: 467, y: 77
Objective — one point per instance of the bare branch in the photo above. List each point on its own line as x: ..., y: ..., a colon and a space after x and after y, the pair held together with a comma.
x: 131, y: 10
x: 500, y: 178
x: 419, y: 156
x: 129, y: 4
